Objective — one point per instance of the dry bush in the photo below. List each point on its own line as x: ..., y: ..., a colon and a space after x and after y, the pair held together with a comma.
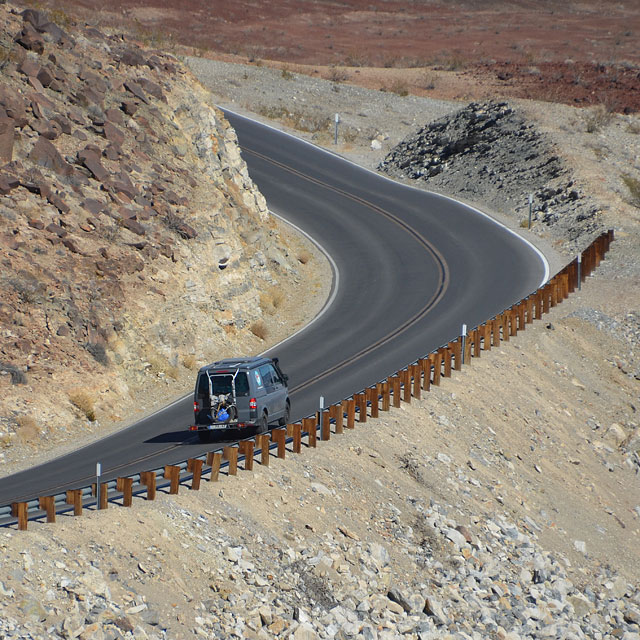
x: 597, y: 117
x: 83, y: 401
x: 338, y: 75
x: 189, y: 361
x: 633, y: 127
x: 633, y: 184
x: 27, y: 429
x: 259, y: 329
x: 271, y: 300
x: 303, y: 256
x: 286, y: 74
x: 429, y: 81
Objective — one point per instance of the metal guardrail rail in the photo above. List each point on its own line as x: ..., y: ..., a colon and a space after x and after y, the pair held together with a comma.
x: 402, y: 385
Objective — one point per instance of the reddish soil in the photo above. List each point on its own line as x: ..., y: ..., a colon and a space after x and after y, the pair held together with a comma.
x: 574, y: 52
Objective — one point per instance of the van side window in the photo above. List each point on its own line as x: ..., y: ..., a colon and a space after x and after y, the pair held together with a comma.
x: 266, y: 372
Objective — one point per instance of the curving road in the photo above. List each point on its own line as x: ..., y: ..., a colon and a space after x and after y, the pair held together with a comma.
x: 410, y: 268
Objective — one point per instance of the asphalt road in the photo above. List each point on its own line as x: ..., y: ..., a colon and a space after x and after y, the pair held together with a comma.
x: 410, y: 268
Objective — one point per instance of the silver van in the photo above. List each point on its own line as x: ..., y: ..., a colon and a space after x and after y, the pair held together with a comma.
x: 239, y: 393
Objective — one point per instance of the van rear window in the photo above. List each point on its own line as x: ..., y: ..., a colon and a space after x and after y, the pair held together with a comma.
x: 222, y: 384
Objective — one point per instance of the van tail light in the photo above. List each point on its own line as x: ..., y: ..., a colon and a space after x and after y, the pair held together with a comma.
x: 195, y: 407
x: 253, y: 404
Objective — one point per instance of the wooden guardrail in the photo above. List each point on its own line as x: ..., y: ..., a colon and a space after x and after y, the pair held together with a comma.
x: 395, y: 389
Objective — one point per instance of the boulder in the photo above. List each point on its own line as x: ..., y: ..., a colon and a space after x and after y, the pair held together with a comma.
x: 134, y: 88
x: 7, y: 136
x: 31, y: 40
x: 91, y: 160
x: 46, y: 155
x: 113, y: 134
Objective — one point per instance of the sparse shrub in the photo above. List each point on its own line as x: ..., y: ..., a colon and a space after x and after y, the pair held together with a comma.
x: 83, y: 401
x: 27, y: 429
x: 429, y: 81
x: 286, y: 74
x: 399, y: 87
x: 303, y: 256
x: 337, y: 75
x: 271, y: 300
x: 27, y: 286
x: 597, y: 117
x: 98, y: 351
x: 17, y: 376
x: 259, y: 329
x: 524, y: 223
x: 633, y: 184
x: 189, y: 361
x: 634, y: 127
x: 409, y: 464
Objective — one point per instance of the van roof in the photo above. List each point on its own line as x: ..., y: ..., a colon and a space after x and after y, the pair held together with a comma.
x: 237, y: 363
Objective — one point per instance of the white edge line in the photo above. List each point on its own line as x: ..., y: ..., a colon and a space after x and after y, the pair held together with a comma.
x: 541, y: 255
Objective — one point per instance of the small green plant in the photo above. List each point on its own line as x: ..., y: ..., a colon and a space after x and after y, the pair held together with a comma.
x: 286, y: 74
x: 83, y: 401
x: 633, y: 184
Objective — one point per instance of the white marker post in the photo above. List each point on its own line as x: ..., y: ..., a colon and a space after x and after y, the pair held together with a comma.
x: 98, y: 474
x: 464, y: 340
x: 337, y: 118
x: 579, y: 271
x: 530, y: 207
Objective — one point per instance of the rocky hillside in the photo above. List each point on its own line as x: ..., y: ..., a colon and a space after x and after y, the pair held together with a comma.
x: 134, y: 245
x: 492, y: 154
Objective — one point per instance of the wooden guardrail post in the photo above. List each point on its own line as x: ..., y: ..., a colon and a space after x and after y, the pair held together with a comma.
x: 214, y: 458
x: 446, y: 355
x: 522, y: 307
x: 437, y: 367
x: 148, y: 479
x: 194, y: 466
x: 172, y: 473
x: 406, y: 385
x: 476, y: 342
x: 48, y: 505
x: 19, y: 510
x: 325, y: 426
x: 374, y: 399
x: 426, y: 373
x: 416, y: 374
x: 553, y: 297
x: 74, y: 497
x: 351, y: 413
x: 395, y: 385
x: 537, y: 296
x: 469, y: 343
x: 104, y: 503
x: 231, y: 454
x: 280, y: 437
x: 361, y: 401
x: 125, y: 486
x: 262, y: 440
x: 386, y: 396
x: 296, y: 434
x: 456, y: 347
x: 339, y: 417
x: 246, y: 449
x: 309, y: 425
x: 504, y: 325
